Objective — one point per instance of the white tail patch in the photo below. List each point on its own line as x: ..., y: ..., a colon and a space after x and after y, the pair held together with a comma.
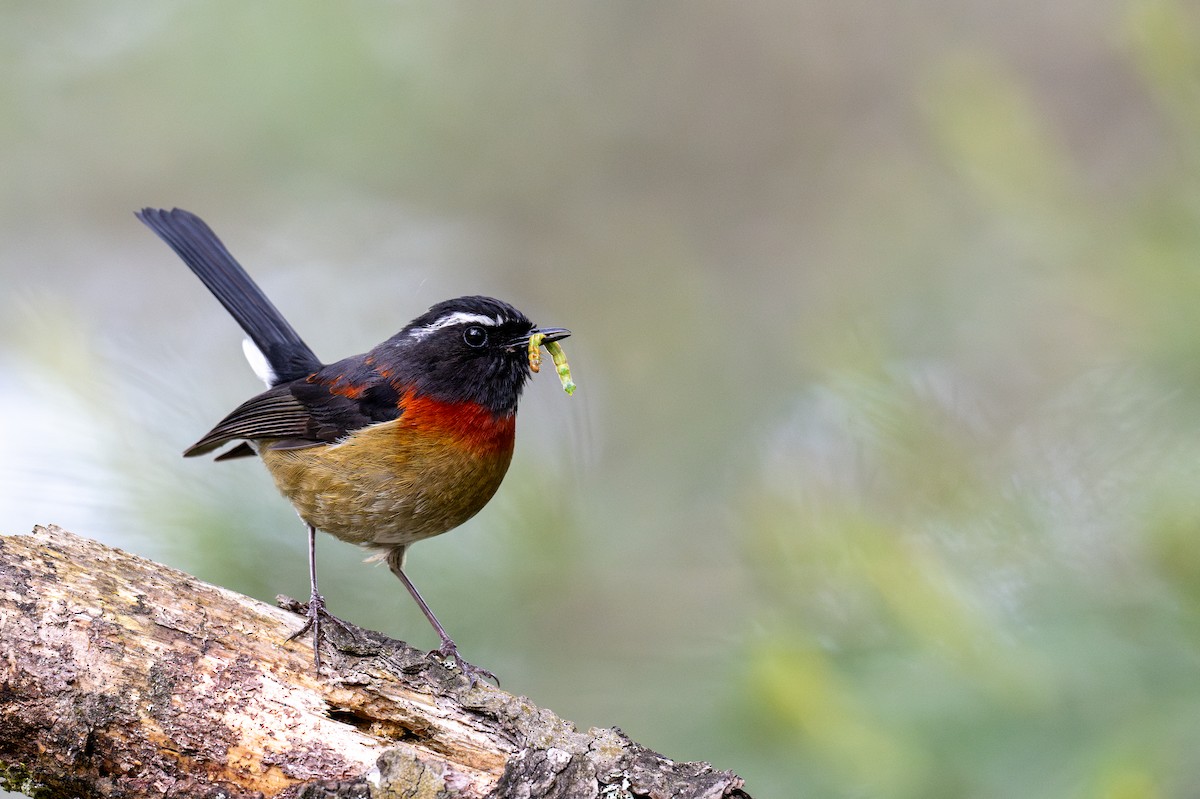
x: 258, y: 362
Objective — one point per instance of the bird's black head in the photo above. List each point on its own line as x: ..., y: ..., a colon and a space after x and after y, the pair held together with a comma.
x: 469, y: 349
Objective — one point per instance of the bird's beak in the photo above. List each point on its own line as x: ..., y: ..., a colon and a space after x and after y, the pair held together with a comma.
x: 552, y: 333
x: 548, y: 333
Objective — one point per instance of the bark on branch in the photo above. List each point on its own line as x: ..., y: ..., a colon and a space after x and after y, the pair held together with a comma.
x: 123, y: 677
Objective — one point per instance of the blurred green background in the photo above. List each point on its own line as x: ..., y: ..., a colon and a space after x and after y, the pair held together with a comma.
x: 883, y: 478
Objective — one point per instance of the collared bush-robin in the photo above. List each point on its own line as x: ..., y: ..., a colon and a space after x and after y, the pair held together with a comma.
x: 383, y: 449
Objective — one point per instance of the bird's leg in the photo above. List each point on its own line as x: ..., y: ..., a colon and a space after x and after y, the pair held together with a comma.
x: 448, y: 649
x: 316, y: 602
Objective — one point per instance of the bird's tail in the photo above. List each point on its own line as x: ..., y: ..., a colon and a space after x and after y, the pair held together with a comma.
x: 286, y: 354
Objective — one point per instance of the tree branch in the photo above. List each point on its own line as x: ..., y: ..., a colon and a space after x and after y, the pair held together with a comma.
x: 123, y: 677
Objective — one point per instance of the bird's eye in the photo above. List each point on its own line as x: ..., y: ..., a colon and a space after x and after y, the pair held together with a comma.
x: 475, y: 336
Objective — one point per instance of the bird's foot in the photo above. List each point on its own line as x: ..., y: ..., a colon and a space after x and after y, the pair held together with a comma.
x: 472, y: 672
x: 315, y: 612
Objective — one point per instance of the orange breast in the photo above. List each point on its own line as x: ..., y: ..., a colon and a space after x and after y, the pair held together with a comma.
x: 397, y: 482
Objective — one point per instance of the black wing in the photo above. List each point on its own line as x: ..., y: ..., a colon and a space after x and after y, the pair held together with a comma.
x: 320, y: 409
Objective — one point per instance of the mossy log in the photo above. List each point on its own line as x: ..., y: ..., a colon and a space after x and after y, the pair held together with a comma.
x: 123, y: 677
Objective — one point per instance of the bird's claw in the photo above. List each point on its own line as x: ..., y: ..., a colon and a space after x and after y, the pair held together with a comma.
x: 315, y: 611
x: 473, y: 673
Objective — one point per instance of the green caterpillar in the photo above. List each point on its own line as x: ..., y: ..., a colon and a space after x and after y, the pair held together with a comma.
x: 557, y: 354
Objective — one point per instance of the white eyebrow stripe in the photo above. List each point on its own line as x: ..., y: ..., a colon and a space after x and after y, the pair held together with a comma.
x: 456, y: 318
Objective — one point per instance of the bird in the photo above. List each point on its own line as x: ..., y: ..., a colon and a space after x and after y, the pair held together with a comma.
x: 401, y: 443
